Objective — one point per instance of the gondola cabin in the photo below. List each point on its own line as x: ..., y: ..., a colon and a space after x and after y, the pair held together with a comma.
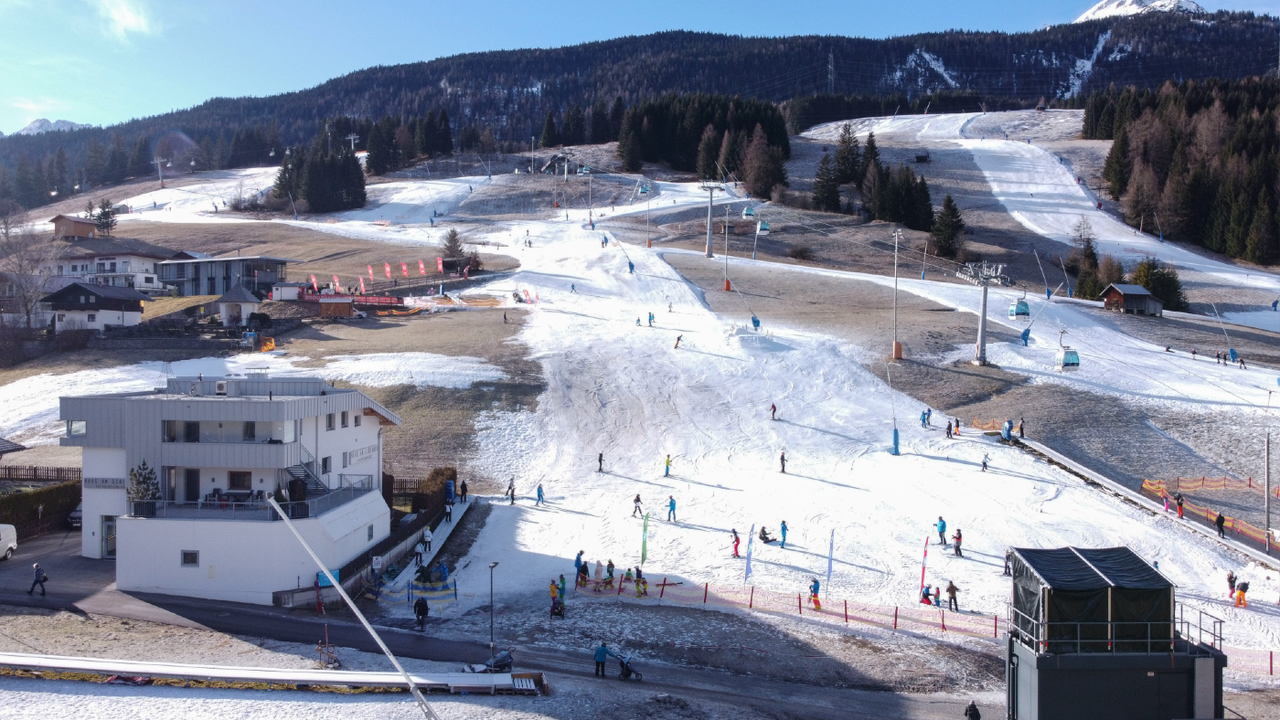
x: 748, y: 212
x: 1068, y: 360
x: 1019, y: 310
x: 762, y: 228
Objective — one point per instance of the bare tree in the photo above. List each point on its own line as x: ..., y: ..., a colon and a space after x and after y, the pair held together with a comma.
x: 26, y: 263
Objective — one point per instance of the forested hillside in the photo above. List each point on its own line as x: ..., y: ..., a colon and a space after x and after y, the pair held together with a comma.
x: 505, y: 97
x: 1197, y: 161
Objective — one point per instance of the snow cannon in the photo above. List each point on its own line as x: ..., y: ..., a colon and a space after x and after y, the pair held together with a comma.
x: 1234, y: 357
x: 1026, y: 336
x: 755, y: 323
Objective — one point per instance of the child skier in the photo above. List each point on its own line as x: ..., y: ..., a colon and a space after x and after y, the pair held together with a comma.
x: 1178, y: 498
x: 985, y: 458
x: 736, y: 540
x: 958, y: 538
x: 926, y: 595
x: 784, y: 534
x: 678, y: 338
x: 813, y: 595
x: 1231, y: 583
x: 541, y: 500
x: 637, y: 510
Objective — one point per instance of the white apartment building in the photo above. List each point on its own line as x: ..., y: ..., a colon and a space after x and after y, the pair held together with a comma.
x: 116, y: 262
x: 219, y: 447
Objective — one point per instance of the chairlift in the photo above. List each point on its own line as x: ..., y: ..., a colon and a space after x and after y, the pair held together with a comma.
x: 748, y: 212
x: 1019, y: 309
x: 644, y: 189
x: 762, y: 227
x: 1067, y: 360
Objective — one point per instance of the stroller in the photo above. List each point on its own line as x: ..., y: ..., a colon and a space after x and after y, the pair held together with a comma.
x: 500, y: 663
x: 625, y: 670
x: 557, y: 608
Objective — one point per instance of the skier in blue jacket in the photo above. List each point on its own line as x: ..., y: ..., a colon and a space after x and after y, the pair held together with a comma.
x: 941, y: 527
x: 577, y: 562
x: 784, y: 534
x: 671, y: 507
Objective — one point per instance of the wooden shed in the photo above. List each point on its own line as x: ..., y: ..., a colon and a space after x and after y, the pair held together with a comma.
x: 1131, y: 299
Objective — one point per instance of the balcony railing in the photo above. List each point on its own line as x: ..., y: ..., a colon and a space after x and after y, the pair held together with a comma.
x: 1064, y: 638
x: 251, y: 507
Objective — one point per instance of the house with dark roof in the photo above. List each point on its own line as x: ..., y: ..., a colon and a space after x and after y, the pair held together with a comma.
x: 198, y: 274
x: 236, y: 305
x: 119, y: 262
x: 86, y: 306
x: 1132, y: 300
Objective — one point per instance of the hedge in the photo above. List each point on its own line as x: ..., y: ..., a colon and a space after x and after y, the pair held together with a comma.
x: 22, y: 509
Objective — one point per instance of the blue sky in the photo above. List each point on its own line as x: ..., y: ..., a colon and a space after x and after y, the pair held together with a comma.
x: 106, y: 61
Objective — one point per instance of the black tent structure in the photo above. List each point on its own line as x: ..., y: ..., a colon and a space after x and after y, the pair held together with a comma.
x: 1098, y: 633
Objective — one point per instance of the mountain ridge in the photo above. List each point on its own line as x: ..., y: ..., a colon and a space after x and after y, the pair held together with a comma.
x: 1119, y: 8
x: 42, y: 125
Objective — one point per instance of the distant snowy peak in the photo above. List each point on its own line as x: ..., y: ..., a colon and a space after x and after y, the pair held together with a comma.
x: 1115, y: 8
x: 43, y: 126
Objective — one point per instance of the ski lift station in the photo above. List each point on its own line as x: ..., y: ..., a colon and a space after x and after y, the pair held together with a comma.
x: 1132, y: 300
x: 1098, y: 633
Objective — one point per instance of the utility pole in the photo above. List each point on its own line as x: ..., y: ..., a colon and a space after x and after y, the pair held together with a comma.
x: 711, y: 189
x: 726, y: 248
x: 1266, y: 505
x: 897, y: 346
x: 159, y: 162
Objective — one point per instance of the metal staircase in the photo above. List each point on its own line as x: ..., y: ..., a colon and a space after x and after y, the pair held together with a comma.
x: 304, y: 472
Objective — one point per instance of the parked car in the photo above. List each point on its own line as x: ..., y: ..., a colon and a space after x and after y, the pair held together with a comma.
x: 76, y: 515
x: 8, y: 541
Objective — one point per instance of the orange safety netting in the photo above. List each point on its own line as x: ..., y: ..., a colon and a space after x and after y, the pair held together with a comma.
x: 1218, y: 483
x: 987, y: 424
x: 1158, y: 490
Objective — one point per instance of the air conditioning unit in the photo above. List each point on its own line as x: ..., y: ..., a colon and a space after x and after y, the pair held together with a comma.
x: 220, y: 387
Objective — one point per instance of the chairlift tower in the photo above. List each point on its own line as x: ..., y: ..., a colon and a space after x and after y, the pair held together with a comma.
x: 711, y: 190
x: 984, y: 274
x: 353, y: 138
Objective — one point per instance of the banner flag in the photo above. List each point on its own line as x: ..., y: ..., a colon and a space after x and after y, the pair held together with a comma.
x: 361, y: 286
x: 422, y: 268
x: 924, y: 564
x: 751, y: 543
x: 387, y: 266
x: 337, y: 286
x: 370, y: 272
x: 644, y: 541
x: 831, y: 553
x: 314, y: 285
x: 404, y: 269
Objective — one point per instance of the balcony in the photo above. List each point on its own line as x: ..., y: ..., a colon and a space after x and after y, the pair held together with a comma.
x: 253, y: 507
x: 231, y: 454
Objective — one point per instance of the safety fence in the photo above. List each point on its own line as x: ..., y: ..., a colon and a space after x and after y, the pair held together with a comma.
x: 1182, y: 484
x: 1158, y: 490
x: 987, y: 425
x: 439, y: 592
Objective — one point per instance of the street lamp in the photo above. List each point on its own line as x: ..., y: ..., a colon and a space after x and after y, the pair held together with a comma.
x: 492, y: 565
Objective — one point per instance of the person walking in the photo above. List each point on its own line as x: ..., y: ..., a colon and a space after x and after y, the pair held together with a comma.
x: 448, y: 511
x: 541, y: 500
x: 637, y: 510
x: 511, y: 490
x: 577, y: 562
x: 971, y: 712
x: 948, y: 429
x: 1178, y: 499
x: 421, y: 610
x: 427, y: 537
x: 783, y: 460
x: 941, y: 527
x: 464, y: 491
x: 678, y: 339
x: 504, y: 318
x: 1231, y: 584
x: 603, y: 653
x: 952, y: 603
x: 783, y: 529
x: 419, y: 550
x: 773, y: 412
x: 958, y: 538
x: 985, y: 458
x: 39, y: 578
x: 736, y: 540
x: 667, y: 471
x: 671, y: 507
x: 600, y: 463
x: 1022, y: 428
x: 562, y: 587
x: 1221, y: 523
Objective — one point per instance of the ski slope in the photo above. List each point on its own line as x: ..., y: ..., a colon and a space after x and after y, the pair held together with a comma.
x: 1042, y: 194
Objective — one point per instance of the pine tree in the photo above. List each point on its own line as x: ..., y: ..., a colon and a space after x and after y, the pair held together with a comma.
x: 144, y: 486
x: 1088, y: 286
x: 870, y: 161
x: 117, y: 162
x: 429, y: 145
x: 452, y: 245
x: 708, y: 153
x: 1161, y: 281
x: 948, y: 229
x: 575, y: 128
x: 1260, y: 244
x: 1116, y: 169
x: 140, y: 158
x: 848, y: 155
x: 1110, y: 271
x: 550, y: 136
x: 95, y: 162
x: 106, y: 217
x: 378, y: 161
x: 600, y: 132
x: 629, y: 146
x: 731, y: 147
x: 762, y: 165
x: 57, y: 177
x: 922, y: 210
x: 616, y: 116
x: 1238, y: 227
x: 444, y: 134
x: 826, y: 188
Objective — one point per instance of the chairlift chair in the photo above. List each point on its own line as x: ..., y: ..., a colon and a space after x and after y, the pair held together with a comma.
x: 762, y: 227
x: 748, y: 212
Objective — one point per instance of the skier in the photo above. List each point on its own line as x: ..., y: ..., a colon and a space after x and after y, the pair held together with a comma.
x: 577, y: 562
x: 958, y: 538
x: 783, y: 459
x: 669, y: 307
x: 948, y: 429
x: 941, y: 527
x: 504, y: 318
x: 957, y: 429
x: 678, y: 337
x: 952, y: 604
x: 1241, y: 589
x: 813, y: 595
x: 1178, y: 498
x: 573, y: 288
x: 637, y: 321
x: 1231, y: 584
x: 1022, y: 428
x: 773, y: 412
x: 736, y: 540
x: 541, y: 499
x: 1221, y: 523
x: 637, y: 511
x: 764, y: 536
x: 511, y: 490
x: 1008, y: 557
x: 971, y: 712
x: 985, y: 458
x: 420, y: 609
x: 671, y: 508
x: 923, y: 419
x: 650, y: 319
x: 600, y: 463
x: 928, y: 416
x: 926, y: 595
x: 667, y: 471
x: 784, y: 534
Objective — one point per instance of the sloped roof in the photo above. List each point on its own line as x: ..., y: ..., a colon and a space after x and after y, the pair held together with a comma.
x: 103, y: 291
x: 72, y: 218
x: 1078, y: 569
x: 238, y: 294
x: 81, y: 247
x: 8, y: 446
x: 1129, y: 289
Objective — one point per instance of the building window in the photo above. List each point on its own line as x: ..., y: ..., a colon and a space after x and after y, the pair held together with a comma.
x: 326, y: 465
x: 369, y: 533
x: 93, y: 299
x: 76, y: 428
x: 149, y: 280
x: 190, y: 558
x: 328, y: 421
x: 169, y: 431
x: 250, y: 431
x: 344, y: 418
x: 93, y: 317
x: 239, y: 480
x: 191, y: 432
x: 344, y: 459
x: 357, y: 421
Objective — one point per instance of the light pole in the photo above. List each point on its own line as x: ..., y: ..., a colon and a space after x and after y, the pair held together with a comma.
x: 726, y: 248
x: 492, y: 565
x: 897, y: 347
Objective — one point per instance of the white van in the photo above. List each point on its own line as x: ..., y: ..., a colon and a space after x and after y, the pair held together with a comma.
x: 8, y: 541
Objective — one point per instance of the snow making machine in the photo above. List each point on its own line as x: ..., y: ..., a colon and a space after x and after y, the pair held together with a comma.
x: 1097, y: 633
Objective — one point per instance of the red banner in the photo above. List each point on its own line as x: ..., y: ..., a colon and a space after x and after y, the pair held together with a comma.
x: 388, y: 267
x: 440, y: 265
x: 370, y: 272
x: 314, y: 285
x: 422, y: 268
x: 361, y: 286
x: 337, y: 286
x: 465, y: 270
x: 404, y: 269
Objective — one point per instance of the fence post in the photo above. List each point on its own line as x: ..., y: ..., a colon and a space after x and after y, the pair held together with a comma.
x: 846, y: 612
x: 619, y: 586
x: 995, y: 626
x: 943, y: 614
x: 895, y: 617
x: 752, y: 602
x: 706, y: 586
x: 663, y: 591
x: 799, y: 605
